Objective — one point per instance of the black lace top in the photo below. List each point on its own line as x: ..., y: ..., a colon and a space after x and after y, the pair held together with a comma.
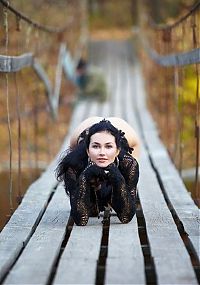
x: 95, y: 188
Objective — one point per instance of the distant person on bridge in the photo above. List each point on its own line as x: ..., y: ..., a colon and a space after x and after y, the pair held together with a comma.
x: 91, y: 82
x: 100, y: 171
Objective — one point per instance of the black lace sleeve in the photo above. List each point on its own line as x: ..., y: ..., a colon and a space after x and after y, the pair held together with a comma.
x: 79, y: 191
x: 79, y: 187
x: 124, y: 181
x: 129, y: 168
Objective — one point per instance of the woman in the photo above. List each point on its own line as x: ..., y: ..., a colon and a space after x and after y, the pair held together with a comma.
x: 91, y: 82
x: 100, y: 172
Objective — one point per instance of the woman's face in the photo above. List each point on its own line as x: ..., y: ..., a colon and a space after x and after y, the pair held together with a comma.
x: 102, y: 149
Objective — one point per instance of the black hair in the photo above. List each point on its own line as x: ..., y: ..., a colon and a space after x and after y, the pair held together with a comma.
x: 77, y: 158
x: 81, y: 64
x: 106, y: 126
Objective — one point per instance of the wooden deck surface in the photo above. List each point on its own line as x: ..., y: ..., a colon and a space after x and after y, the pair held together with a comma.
x: 40, y: 244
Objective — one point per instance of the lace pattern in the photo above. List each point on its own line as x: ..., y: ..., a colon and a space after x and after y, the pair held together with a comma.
x: 122, y: 181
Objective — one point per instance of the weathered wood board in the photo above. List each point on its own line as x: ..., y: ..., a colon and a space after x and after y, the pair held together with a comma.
x: 181, y: 202
x: 78, y: 263
x: 37, y: 259
x: 125, y: 261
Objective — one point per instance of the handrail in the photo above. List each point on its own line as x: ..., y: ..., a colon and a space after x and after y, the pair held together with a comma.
x: 9, y: 64
x: 15, y: 63
x: 176, y: 59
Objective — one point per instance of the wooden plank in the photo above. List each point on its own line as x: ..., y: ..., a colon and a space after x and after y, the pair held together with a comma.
x: 187, y: 212
x: 79, y: 260
x: 21, y: 225
x: 169, y: 271
x: 37, y: 259
x: 108, y: 73
x: 125, y: 262
x: 94, y: 109
x: 12, y: 240
x: 116, y: 108
x: 78, y: 115
x: 175, y: 189
x: 99, y: 58
x: 162, y: 233
x: 105, y: 110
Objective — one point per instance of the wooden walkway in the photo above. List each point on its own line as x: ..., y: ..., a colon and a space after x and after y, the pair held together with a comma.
x: 40, y: 244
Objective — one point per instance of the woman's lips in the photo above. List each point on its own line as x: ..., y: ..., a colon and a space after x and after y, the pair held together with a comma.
x: 102, y: 159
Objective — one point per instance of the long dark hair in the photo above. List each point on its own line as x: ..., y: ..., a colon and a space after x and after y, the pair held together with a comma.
x: 77, y: 158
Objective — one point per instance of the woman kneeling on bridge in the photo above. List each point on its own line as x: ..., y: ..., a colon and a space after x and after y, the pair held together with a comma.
x: 99, y: 171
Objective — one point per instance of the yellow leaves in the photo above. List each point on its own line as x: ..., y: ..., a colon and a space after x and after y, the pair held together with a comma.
x: 189, y: 90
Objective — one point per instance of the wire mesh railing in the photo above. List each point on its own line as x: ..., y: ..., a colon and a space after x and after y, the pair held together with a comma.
x: 171, y: 69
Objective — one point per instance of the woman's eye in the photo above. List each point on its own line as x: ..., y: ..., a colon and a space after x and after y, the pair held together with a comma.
x: 95, y: 146
x: 109, y: 146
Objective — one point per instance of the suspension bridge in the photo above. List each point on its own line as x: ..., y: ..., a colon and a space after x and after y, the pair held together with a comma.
x: 40, y: 243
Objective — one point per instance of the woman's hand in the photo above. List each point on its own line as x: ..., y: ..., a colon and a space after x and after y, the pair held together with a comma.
x: 112, y: 173
x: 94, y: 171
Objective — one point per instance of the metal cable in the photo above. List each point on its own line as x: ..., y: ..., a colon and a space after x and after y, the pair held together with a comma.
x: 38, y: 26
x: 197, y: 135
x: 19, y: 197
x: 179, y: 21
x: 197, y: 117
x: 8, y: 118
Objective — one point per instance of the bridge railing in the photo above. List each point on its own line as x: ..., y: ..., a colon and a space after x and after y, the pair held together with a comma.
x: 33, y: 123
x: 171, y: 70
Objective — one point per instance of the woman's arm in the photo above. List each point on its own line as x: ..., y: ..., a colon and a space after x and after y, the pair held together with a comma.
x: 79, y: 190
x: 124, y: 180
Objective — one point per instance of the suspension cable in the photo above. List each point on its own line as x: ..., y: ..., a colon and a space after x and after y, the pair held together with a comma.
x: 197, y: 119
x: 179, y: 21
x: 19, y: 197
x: 35, y: 24
x: 8, y: 117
